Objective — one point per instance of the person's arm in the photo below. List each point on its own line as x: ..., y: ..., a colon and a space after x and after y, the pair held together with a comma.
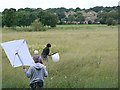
x: 49, y: 54
x: 45, y: 71
x: 27, y: 73
x: 41, y: 61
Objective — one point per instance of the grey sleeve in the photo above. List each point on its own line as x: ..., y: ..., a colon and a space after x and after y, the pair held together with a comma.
x: 29, y: 72
x: 45, y: 72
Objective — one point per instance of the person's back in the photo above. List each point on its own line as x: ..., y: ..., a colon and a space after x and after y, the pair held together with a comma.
x: 36, y: 73
x: 37, y: 55
x: 46, y: 52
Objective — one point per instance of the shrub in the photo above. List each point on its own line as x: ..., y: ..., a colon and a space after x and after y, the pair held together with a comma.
x: 111, y: 21
x: 37, y: 26
x: 89, y: 22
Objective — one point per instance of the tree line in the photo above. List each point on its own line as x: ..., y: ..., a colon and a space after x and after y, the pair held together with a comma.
x: 11, y: 17
x: 49, y: 17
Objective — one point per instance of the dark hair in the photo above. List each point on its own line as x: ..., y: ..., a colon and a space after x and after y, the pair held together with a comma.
x: 36, y: 59
x: 48, y: 45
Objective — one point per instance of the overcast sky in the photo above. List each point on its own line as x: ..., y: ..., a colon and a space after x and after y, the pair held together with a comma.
x: 44, y: 4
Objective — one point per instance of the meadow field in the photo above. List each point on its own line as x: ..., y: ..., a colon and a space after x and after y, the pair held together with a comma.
x: 88, y: 57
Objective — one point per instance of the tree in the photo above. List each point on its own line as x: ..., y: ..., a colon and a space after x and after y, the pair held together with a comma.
x: 61, y: 15
x: 79, y: 13
x: 23, y: 18
x: 53, y: 19
x: 111, y: 21
x: 47, y: 18
x: 32, y: 17
x: 70, y: 9
x: 80, y: 18
x: 113, y: 14
x: 71, y: 18
x: 9, y: 17
x: 89, y: 22
x: 77, y: 9
x: 97, y: 8
x: 102, y: 16
x: 96, y: 20
x: 37, y: 26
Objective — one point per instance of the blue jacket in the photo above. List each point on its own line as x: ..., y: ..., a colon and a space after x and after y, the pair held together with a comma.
x: 39, y: 58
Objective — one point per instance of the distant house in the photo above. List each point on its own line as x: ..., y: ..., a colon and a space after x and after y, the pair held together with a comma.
x: 91, y: 15
x: 91, y: 18
x: 66, y: 14
x: 69, y: 13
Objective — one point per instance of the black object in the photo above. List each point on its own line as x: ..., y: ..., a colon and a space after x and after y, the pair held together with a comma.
x: 36, y: 85
x: 54, y: 53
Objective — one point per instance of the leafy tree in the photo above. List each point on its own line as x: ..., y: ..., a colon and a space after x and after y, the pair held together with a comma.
x: 23, y: 18
x: 111, y: 21
x: 21, y: 9
x: 113, y: 14
x: 71, y: 18
x: 96, y: 20
x: 53, y: 19
x: 32, y: 17
x: 48, y: 18
x: 79, y: 13
x: 106, y: 16
x: 89, y: 22
x: 97, y: 8
x: 70, y: 9
x: 77, y: 9
x: 102, y: 21
x: 43, y: 15
x: 9, y: 17
x: 80, y: 18
x: 37, y: 26
x: 102, y: 16
x: 61, y: 15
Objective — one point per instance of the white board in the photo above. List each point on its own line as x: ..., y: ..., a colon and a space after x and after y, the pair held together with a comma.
x: 19, y: 46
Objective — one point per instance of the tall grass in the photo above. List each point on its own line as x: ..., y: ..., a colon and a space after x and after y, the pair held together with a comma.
x: 88, y: 58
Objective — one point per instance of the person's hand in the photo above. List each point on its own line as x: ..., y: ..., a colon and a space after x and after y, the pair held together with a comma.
x: 49, y: 54
x: 24, y: 67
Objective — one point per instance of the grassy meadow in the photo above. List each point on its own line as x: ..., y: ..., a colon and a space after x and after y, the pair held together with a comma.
x: 88, y: 57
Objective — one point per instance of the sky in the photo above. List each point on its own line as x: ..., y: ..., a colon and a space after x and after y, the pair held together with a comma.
x: 44, y: 4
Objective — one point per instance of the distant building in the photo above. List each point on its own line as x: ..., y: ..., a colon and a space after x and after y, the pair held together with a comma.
x: 91, y: 15
x: 69, y: 13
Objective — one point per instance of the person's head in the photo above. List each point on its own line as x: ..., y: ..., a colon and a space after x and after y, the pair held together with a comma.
x: 35, y: 53
x: 36, y: 59
x: 48, y: 45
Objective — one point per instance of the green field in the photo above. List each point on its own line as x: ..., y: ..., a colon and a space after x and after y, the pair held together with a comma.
x: 88, y: 57
x: 82, y: 25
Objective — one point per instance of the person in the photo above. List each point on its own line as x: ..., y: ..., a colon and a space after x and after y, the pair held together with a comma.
x: 45, y: 52
x: 36, y: 73
x: 36, y: 55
